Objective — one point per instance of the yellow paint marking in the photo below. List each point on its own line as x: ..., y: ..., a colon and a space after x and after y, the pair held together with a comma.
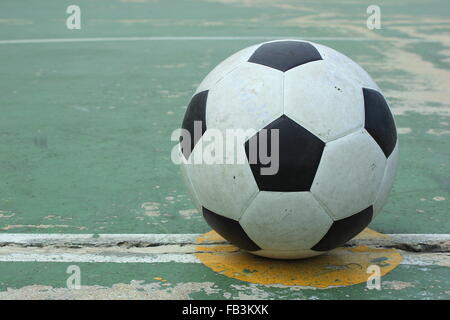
x: 220, y: 249
x: 339, y: 267
x: 371, y: 234
x: 159, y: 279
x: 210, y: 237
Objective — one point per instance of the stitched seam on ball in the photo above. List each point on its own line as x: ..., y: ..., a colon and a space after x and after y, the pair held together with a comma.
x: 244, y: 209
x: 350, y: 132
x: 323, y: 206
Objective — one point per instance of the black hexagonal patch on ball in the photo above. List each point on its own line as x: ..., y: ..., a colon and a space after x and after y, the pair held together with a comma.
x: 344, y: 229
x: 285, y: 55
x: 379, y: 121
x: 230, y: 229
x: 196, y: 111
x: 298, y: 158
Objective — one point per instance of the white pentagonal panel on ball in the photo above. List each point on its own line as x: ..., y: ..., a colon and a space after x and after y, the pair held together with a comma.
x: 225, y: 189
x: 349, y: 174
x: 387, y: 182
x: 225, y: 67
x: 285, y: 220
x: 250, y: 97
x: 341, y: 64
x: 323, y: 101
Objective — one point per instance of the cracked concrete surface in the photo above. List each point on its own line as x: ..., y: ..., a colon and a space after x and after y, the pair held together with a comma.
x: 416, y: 249
x: 185, y: 242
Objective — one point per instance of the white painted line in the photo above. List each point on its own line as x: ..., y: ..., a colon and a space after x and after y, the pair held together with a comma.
x: 419, y: 237
x: 416, y: 259
x: 43, y: 239
x: 165, y: 248
x: 426, y: 259
x: 439, y: 241
x: 200, y: 38
x: 97, y: 258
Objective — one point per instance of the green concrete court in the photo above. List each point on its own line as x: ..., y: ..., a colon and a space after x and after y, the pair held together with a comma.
x: 85, y: 129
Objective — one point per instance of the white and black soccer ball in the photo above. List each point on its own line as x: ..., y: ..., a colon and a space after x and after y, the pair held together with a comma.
x: 337, y: 142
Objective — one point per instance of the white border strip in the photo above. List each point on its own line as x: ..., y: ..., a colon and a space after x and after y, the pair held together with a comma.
x: 161, y: 248
x: 44, y: 239
x: 416, y: 259
x: 98, y: 258
x: 200, y: 38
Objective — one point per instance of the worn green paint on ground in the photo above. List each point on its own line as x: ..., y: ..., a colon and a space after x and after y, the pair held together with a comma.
x: 195, y: 281
x: 85, y: 127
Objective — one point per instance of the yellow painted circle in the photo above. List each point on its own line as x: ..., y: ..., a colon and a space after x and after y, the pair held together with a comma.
x: 339, y: 267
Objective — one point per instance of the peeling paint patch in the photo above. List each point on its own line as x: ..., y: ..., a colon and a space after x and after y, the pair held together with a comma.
x: 427, y: 259
x: 6, y: 214
x: 396, y: 285
x: 172, y: 66
x: 404, y: 130
x: 56, y: 217
x: 80, y: 108
x: 250, y: 292
x: 438, y: 132
x: 429, y: 83
x: 189, y: 213
x: 263, y: 3
x: 169, y: 94
x: 151, y: 209
x: 40, y: 226
x: 161, y: 22
x: 135, y: 290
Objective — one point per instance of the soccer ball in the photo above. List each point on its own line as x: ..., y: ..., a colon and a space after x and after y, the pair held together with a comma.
x: 336, y: 146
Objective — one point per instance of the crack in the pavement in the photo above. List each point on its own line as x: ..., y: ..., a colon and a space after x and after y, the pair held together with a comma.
x: 412, y: 246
